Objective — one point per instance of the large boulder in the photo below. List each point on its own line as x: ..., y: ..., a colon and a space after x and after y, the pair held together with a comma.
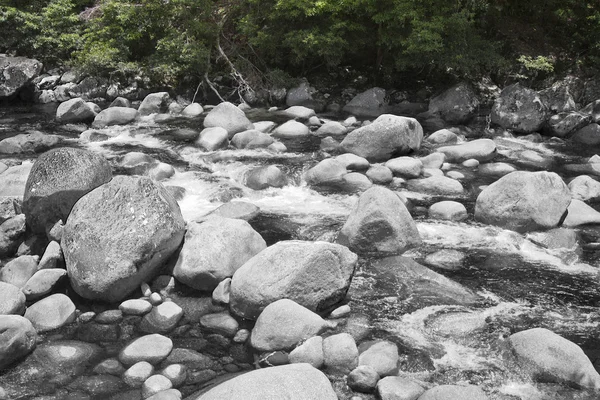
x: 214, y: 250
x: 411, y: 282
x: 265, y: 177
x: 17, y: 339
x: 327, y: 174
x: 548, y: 357
x: 283, y: 324
x: 524, y: 201
x: 115, y: 116
x: 584, y: 188
x: 388, y: 136
x: 229, y: 117
x: 290, y: 382
x: 564, y: 123
x: 154, y: 103
x: 15, y: 73
x: 33, y: 142
x: 302, y: 95
x: 479, y: 149
x: 588, y: 135
x: 520, y: 109
x: 14, y: 179
x: 73, y: 111
x: 316, y: 275
x: 370, y: 103
x: 120, y: 235
x: 57, y: 180
x: 456, y: 105
x: 380, y: 224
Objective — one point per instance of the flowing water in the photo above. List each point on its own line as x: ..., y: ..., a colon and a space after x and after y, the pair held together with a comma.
x: 521, y: 283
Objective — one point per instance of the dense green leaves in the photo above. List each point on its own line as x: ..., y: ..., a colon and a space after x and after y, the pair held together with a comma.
x: 169, y: 40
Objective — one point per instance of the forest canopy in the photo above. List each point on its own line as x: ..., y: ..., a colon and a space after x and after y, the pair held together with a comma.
x: 176, y: 41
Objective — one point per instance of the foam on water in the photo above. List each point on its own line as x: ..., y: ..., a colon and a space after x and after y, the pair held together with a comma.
x: 469, y: 236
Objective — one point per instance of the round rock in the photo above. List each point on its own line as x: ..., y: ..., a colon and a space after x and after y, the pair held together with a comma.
x: 119, y: 236
x: 51, y: 312
x: 12, y: 300
x: 17, y: 339
x: 448, y: 210
x: 58, y: 179
x: 151, y: 348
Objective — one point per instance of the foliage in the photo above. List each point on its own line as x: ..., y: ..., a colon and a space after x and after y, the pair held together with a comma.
x: 48, y: 30
x: 163, y: 40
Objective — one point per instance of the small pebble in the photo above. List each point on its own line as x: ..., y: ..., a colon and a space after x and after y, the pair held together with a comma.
x: 135, y: 307
x: 138, y: 373
x: 169, y: 394
x: 87, y: 317
x: 109, y: 317
x: 155, y: 299
x: 155, y: 384
x: 177, y: 374
x: 471, y: 163
x: 340, y: 312
x: 146, y: 291
x: 241, y: 336
x: 110, y: 366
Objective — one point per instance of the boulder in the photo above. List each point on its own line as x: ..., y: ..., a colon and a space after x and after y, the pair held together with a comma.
x: 14, y: 179
x: 405, y: 167
x: 162, y: 318
x: 252, y: 139
x: 436, y: 185
x: 237, y: 210
x: 73, y: 111
x: 299, y: 112
x: 12, y: 233
x: 221, y: 323
x: 110, y: 248
x: 136, y: 163
x: 19, y: 270
x: 316, y: 275
x: 327, y: 174
x: 442, y: 136
x: 154, y: 103
x: 389, y: 135
x: 496, y: 169
x: 562, y: 124
x: 380, y: 174
x: 580, y: 213
x: 310, y: 352
x: 363, y: 379
x: 588, y: 135
x: 592, y: 110
x: 448, y: 210
x: 34, y: 142
x: 520, y: 109
x: 283, y: 324
x: 214, y: 250
x: 192, y: 110
x: 51, y: 312
x: 229, y: 117
x: 57, y: 180
x: 16, y: 73
x: 380, y: 224
x: 548, y: 357
x: 409, y: 280
x: 380, y: 355
x: 151, y: 348
x: 17, y: 339
x: 265, y: 177
x: 115, y: 116
x: 43, y: 282
x: 558, y: 98
x: 454, y: 392
x: 120, y: 102
x: 12, y: 300
x: 212, y: 139
x: 89, y: 88
x: 478, y: 149
x: 296, y: 136
x: 290, y: 382
x: 456, y: 105
x: 331, y: 128
x: 355, y: 182
x: 340, y: 353
x: 514, y: 201
x: 352, y: 162
x: 584, y: 188
x: 398, y: 388
x: 302, y: 95
x: 370, y: 103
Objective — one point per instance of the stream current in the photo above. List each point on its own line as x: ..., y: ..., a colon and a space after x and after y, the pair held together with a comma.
x: 522, y: 284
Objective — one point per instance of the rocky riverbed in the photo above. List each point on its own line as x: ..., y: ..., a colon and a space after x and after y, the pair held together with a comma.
x: 168, y: 250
